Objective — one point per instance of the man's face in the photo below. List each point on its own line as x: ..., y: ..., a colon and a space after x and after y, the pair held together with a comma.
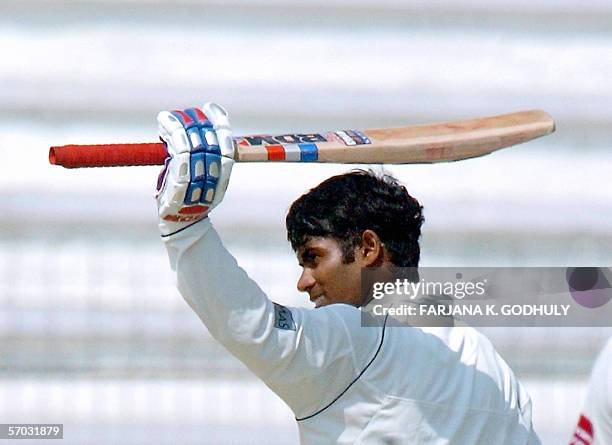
x: 325, y: 277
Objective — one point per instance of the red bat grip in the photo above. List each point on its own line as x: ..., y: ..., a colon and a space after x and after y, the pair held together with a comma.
x: 108, y: 155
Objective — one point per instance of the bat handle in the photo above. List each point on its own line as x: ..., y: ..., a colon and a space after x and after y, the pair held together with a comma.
x: 108, y: 155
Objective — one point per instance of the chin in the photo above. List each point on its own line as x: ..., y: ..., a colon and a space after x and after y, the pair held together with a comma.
x: 329, y: 303
x: 326, y: 304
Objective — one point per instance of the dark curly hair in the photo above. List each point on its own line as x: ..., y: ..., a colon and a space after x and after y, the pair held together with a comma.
x: 344, y: 206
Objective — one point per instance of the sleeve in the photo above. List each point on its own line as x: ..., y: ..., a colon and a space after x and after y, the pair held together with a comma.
x: 306, y: 356
x: 595, y: 423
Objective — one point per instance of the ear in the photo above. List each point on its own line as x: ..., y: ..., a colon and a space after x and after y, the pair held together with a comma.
x: 372, y: 251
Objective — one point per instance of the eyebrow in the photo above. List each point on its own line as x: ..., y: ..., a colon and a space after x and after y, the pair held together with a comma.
x: 307, y: 252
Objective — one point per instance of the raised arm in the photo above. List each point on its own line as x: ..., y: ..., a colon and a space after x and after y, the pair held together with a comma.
x: 292, y: 350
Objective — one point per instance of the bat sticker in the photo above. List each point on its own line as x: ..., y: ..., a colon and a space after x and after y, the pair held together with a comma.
x: 267, y: 139
x: 347, y: 137
x: 351, y: 137
x: 293, y: 152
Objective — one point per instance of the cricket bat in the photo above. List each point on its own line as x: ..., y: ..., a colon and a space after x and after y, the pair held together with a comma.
x: 428, y: 143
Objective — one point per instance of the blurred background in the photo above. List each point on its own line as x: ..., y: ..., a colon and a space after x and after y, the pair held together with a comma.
x: 93, y: 333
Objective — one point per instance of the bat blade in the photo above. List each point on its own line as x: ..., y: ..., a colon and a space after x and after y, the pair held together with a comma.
x: 428, y: 143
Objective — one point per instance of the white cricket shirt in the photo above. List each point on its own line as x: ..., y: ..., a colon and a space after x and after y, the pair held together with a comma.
x: 348, y: 384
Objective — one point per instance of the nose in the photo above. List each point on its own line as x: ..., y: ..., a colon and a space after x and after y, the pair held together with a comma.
x: 306, y: 280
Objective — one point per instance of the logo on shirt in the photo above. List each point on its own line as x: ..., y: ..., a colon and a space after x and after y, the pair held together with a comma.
x: 283, y: 319
x: 584, y: 432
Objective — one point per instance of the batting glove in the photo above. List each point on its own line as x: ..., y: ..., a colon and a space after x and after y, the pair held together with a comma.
x: 198, y: 167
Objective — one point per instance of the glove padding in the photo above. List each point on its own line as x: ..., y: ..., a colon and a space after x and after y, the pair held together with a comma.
x: 197, y: 170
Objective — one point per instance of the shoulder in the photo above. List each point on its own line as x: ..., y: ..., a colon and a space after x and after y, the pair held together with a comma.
x: 342, y: 316
x: 350, y: 317
x: 341, y: 325
x: 338, y: 313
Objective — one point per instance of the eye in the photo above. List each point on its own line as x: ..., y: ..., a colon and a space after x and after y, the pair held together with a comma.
x: 310, y: 258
